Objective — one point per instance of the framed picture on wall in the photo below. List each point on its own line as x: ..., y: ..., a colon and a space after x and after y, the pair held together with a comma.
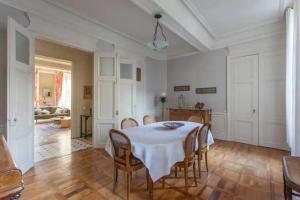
x: 47, y: 92
x: 88, y: 92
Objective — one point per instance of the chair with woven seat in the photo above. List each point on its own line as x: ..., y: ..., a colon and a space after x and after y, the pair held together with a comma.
x: 123, y: 158
x: 147, y: 119
x: 197, y: 119
x: 202, y: 146
x: 189, y: 158
x: 128, y: 123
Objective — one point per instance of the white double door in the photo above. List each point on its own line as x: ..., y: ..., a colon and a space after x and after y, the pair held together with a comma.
x: 114, y: 94
x: 20, y: 79
x: 257, y: 103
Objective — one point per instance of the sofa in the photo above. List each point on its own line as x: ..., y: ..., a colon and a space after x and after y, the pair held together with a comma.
x: 49, y: 112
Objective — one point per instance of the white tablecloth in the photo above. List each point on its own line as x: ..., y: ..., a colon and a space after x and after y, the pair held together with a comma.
x: 158, y: 147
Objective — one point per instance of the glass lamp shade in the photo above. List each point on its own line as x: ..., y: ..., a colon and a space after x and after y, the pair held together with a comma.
x: 158, y: 44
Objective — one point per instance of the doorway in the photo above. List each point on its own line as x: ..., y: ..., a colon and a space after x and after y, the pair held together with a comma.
x: 59, y: 100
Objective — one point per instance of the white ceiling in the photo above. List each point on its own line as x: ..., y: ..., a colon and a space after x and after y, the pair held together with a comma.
x: 220, y: 17
x: 124, y: 17
x: 227, y: 16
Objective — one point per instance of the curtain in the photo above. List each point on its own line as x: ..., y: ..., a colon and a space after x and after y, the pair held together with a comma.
x: 36, y: 87
x: 290, y: 79
x: 65, y: 100
x: 58, y: 84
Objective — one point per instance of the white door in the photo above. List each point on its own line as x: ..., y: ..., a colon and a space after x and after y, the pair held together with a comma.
x: 127, y: 89
x: 20, y: 78
x: 105, y: 97
x: 272, y: 132
x: 244, y: 99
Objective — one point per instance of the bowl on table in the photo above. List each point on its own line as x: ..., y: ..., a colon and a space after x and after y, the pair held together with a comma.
x: 173, y: 125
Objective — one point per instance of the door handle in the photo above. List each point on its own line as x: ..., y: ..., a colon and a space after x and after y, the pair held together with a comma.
x: 253, y: 110
x: 117, y: 112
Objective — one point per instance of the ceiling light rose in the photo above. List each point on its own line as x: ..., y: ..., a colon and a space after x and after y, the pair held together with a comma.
x: 158, y: 43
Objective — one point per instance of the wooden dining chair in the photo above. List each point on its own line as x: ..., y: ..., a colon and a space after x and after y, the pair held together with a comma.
x: 147, y: 119
x: 203, y: 146
x: 189, y: 158
x: 123, y: 158
x: 196, y: 118
x: 128, y: 123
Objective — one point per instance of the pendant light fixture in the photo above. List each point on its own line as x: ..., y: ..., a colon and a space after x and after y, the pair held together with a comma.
x: 159, y: 41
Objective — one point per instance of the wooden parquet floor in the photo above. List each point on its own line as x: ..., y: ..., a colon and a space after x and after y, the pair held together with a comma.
x: 236, y: 171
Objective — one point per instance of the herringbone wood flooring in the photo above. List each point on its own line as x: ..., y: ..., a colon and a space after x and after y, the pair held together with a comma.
x: 237, y: 171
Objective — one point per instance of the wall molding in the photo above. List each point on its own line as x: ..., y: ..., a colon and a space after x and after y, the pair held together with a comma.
x: 184, y: 55
x: 219, y: 125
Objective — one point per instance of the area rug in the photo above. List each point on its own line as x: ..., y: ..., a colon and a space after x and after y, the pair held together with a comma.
x: 59, y: 149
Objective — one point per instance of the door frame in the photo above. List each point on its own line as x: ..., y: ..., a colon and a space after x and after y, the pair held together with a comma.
x: 229, y: 94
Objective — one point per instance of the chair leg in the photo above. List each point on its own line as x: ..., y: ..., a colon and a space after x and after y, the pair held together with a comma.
x: 199, y: 165
x: 194, y: 171
x: 206, y: 163
x: 128, y: 184
x: 284, y: 188
x: 186, y: 177
x: 175, y: 171
x: 115, y: 178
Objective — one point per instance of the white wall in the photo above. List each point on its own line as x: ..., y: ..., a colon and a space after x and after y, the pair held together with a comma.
x: 21, y: 18
x: 156, y: 83
x: 201, y: 70
x: 207, y: 69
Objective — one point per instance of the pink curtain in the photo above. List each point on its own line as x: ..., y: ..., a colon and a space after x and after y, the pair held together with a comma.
x: 58, y: 83
x: 36, y: 88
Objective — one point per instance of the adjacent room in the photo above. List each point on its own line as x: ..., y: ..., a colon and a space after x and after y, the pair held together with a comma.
x: 150, y: 99
x: 53, y: 108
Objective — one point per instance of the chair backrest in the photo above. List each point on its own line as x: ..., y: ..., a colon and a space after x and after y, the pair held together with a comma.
x: 122, y: 146
x: 129, y: 122
x: 190, y: 144
x: 196, y: 118
x: 203, y: 135
x: 148, y: 119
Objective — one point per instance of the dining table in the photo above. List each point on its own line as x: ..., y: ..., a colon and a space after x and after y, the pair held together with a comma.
x: 158, y: 146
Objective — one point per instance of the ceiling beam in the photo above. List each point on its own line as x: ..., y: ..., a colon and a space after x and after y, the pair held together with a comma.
x: 178, y: 18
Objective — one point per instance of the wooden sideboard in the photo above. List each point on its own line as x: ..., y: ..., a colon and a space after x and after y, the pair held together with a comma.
x: 11, y: 180
x: 183, y: 114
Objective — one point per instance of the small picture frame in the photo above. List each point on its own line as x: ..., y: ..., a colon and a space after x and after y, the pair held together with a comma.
x: 181, y: 88
x: 47, y: 92
x: 88, y: 92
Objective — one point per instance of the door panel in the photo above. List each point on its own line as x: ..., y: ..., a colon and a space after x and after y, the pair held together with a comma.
x: 105, y: 97
x: 272, y: 100
x: 20, y: 79
x: 127, y: 89
x: 244, y: 99
x: 126, y: 93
